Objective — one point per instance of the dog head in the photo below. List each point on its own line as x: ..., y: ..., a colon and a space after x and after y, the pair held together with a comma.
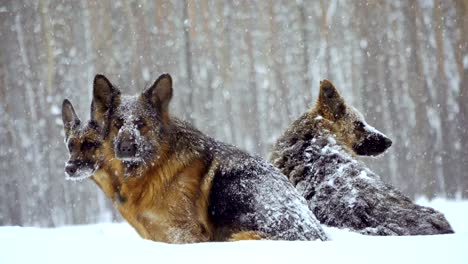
x: 138, y: 125
x: 347, y: 124
x: 84, y: 143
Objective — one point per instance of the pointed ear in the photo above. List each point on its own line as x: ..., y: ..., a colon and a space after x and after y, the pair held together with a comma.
x: 330, y: 103
x: 69, y: 117
x: 159, y: 94
x: 104, y: 94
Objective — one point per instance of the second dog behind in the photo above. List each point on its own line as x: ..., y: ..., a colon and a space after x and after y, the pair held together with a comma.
x: 316, y: 153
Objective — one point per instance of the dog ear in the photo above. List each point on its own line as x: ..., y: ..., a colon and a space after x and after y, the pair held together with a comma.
x: 69, y: 117
x: 159, y: 94
x: 330, y: 103
x: 104, y: 96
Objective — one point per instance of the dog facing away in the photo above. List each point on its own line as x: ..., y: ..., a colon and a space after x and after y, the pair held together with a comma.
x: 183, y: 186
x: 316, y: 153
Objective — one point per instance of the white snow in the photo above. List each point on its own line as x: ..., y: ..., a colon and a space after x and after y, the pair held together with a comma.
x: 118, y: 243
x: 455, y: 212
x: 80, y: 175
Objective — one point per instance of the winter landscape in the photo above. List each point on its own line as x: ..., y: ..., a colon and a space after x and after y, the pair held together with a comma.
x: 242, y: 72
x: 118, y: 243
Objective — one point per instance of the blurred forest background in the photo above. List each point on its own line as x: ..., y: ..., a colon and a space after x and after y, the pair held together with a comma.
x: 243, y: 70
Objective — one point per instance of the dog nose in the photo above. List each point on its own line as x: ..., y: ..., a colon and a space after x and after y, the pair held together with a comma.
x: 387, y: 143
x: 127, y: 149
x: 70, y: 169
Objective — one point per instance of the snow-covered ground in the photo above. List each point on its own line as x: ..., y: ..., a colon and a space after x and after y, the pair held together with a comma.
x: 118, y: 243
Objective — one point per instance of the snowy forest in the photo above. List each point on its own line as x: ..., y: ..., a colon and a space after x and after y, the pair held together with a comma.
x: 242, y: 70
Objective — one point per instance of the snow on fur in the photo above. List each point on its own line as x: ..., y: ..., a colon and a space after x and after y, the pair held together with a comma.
x: 252, y: 193
x: 343, y: 192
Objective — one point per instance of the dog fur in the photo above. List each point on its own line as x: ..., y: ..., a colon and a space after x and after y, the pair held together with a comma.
x: 181, y: 186
x: 317, y: 154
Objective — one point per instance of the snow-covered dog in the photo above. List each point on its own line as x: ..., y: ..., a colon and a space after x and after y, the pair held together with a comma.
x: 181, y: 186
x: 316, y: 153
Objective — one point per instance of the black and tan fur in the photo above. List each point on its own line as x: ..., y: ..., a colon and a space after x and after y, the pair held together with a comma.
x: 317, y: 154
x: 86, y: 147
x: 92, y: 157
x: 181, y: 186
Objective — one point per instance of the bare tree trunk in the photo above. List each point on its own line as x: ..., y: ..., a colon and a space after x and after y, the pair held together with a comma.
x: 188, y: 57
x: 305, y: 53
x: 461, y: 55
x: 422, y: 135
x: 252, y: 83
x: 447, y: 182
x: 324, y: 32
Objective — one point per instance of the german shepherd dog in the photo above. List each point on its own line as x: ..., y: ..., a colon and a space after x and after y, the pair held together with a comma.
x: 90, y: 158
x: 317, y: 154
x: 178, y: 185
x: 85, y: 146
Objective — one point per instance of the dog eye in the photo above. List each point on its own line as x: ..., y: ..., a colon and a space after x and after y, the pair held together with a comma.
x: 70, y: 146
x: 359, y: 125
x: 118, y: 123
x: 88, y: 145
x: 140, y: 124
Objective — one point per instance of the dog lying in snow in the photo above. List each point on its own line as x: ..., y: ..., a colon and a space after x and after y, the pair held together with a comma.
x: 316, y: 153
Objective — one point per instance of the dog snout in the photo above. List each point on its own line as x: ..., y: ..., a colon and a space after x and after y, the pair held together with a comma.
x: 71, y: 168
x: 372, y: 145
x: 387, y: 143
x: 127, y: 148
